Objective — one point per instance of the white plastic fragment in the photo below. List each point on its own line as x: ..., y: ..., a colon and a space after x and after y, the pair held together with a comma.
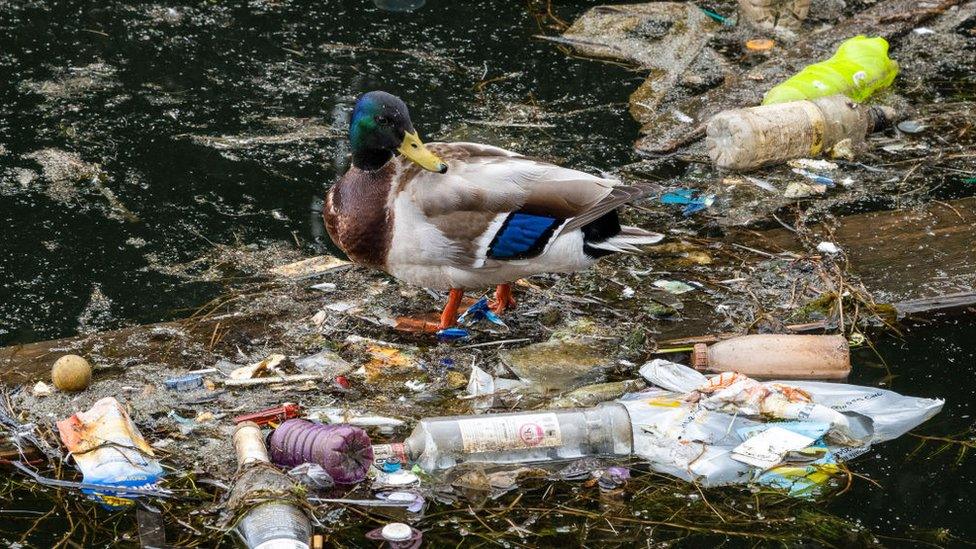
x: 767, y: 448
x: 325, y: 362
x: 910, y: 126
x: 399, y: 478
x: 319, y: 318
x: 812, y: 164
x: 42, y: 389
x: 415, y: 385
x: 682, y: 117
x: 325, y: 287
x: 672, y: 376
x: 312, y: 475
x: 673, y: 286
x: 761, y: 183
x: 342, y: 415
x: 484, y: 388
x: 265, y: 367
x: 828, y: 248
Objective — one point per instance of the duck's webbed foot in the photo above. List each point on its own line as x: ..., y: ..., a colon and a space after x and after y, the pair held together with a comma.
x: 503, y: 299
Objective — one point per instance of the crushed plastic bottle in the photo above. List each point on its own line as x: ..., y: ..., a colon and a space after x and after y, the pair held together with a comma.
x: 272, y: 523
x: 343, y: 450
x: 858, y: 69
x: 443, y: 442
x: 744, y: 139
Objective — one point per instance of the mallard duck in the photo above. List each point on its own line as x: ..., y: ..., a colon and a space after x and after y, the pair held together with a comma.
x: 464, y: 216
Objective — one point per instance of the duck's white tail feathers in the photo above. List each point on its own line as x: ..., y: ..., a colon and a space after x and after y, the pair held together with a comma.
x: 628, y: 239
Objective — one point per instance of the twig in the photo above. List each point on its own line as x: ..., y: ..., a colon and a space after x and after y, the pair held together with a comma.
x: 951, y: 207
x: 785, y: 226
x: 493, y: 343
x: 755, y: 251
x: 270, y: 380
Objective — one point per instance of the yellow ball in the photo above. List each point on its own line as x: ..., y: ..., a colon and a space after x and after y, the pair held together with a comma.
x: 71, y: 373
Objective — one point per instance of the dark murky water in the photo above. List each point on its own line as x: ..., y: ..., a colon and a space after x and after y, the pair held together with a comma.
x: 127, y: 86
x: 929, y: 487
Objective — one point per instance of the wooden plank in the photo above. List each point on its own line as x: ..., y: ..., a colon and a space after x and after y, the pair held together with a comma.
x: 938, y: 304
x: 311, y: 267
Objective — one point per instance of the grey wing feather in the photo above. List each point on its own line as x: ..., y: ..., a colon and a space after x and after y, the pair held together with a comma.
x: 620, y: 195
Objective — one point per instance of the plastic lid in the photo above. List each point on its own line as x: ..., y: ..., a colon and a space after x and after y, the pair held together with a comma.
x: 699, y: 356
x: 401, y: 496
x: 397, y: 531
x: 760, y: 44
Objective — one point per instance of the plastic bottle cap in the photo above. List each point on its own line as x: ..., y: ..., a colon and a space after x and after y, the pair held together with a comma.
x: 699, y: 356
x: 391, y: 465
x: 760, y: 44
x: 397, y: 531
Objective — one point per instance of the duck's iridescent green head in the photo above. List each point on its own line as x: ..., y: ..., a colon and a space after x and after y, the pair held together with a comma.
x: 380, y: 127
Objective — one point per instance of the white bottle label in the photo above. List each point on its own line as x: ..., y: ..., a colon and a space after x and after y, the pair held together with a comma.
x: 495, y: 434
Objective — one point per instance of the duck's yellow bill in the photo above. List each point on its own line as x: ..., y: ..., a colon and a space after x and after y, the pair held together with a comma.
x: 414, y: 149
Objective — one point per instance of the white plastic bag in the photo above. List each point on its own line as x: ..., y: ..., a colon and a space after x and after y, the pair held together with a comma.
x: 691, y: 434
x: 672, y: 376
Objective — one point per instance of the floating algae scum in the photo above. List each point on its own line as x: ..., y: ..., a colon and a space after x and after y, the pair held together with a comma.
x: 159, y: 164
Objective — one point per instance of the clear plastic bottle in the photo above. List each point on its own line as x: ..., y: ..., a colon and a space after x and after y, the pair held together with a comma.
x: 272, y: 524
x: 443, y: 442
x: 780, y: 356
x: 743, y: 139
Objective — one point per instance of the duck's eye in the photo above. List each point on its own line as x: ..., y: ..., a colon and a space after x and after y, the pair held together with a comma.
x: 383, y: 120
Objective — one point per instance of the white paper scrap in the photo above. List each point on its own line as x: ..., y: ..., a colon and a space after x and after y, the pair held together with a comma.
x: 767, y: 448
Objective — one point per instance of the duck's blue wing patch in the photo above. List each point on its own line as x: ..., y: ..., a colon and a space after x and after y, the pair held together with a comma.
x: 523, y: 235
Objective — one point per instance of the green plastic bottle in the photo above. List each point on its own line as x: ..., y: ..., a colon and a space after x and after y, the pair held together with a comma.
x: 859, y: 68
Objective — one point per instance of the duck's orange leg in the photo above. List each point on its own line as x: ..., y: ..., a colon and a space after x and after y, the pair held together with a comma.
x: 450, y: 314
x: 503, y: 299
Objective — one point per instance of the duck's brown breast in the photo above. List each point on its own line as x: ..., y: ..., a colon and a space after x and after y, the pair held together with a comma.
x: 356, y: 216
